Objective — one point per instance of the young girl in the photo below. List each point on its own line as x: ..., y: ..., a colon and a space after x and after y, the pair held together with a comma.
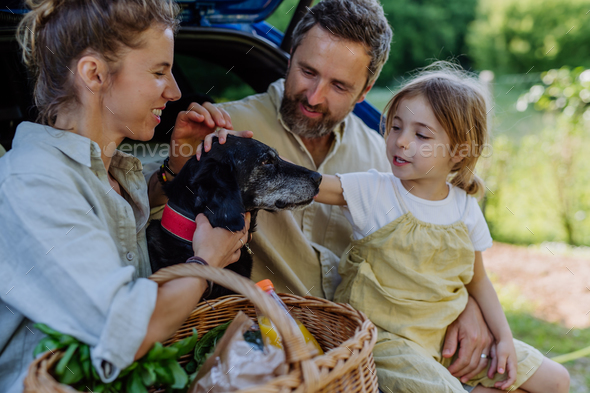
x: 416, y: 255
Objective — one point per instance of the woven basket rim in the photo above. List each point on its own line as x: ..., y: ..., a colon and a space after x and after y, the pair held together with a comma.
x: 306, y: 374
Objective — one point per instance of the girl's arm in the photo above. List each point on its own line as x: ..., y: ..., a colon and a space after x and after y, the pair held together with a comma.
x: 482, y: 290
x: 330, y: 191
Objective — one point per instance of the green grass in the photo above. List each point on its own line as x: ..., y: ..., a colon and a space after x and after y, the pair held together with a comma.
x: 552, y: 339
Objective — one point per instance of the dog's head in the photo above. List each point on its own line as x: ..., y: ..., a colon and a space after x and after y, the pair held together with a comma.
x: 238, y: 176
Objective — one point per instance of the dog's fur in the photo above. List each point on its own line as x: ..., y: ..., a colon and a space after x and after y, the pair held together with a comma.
x: 241, y: 175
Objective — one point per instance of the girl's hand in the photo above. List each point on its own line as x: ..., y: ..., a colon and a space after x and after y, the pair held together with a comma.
x: 191, y: 128
x: 506, y: 355
x: 218, y: 246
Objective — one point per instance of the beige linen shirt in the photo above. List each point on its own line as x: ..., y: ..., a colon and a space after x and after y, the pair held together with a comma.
x: 300, y: 250
x: 73, y: 252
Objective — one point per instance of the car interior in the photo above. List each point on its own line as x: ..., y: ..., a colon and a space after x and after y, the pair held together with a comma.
x: 215, y: 63
x: 212, y: 63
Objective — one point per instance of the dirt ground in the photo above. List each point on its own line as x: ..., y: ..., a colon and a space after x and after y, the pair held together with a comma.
x: 557, y: 285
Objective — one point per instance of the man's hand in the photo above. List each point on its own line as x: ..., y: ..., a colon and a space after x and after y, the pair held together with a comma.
x: 191, y: 128
x: 471, y: 334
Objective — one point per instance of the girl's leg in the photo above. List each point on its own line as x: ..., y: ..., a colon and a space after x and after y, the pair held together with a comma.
x: 550, y: 377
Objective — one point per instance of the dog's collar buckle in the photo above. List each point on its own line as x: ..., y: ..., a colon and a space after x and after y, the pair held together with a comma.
x: 178, y: 224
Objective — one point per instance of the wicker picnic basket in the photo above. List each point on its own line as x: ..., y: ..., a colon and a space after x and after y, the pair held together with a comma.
x: 347, y: 337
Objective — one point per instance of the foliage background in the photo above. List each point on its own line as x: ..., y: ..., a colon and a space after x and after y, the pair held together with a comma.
x: 537, y: 177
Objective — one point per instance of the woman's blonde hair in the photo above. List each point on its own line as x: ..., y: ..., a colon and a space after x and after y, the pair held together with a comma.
x: 57, y: 33
x: 459, y: 102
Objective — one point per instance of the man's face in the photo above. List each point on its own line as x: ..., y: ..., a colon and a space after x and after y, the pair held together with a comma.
x: 325, y: 79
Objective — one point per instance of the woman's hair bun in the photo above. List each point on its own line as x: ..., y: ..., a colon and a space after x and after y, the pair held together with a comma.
x: 55, y: 33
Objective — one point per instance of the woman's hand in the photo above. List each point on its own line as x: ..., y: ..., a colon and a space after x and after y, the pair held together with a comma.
x: 470, y: 334
x: 191, y: 128
x: 506, y: 360
x: 219, y: 246
x: 222, y: 134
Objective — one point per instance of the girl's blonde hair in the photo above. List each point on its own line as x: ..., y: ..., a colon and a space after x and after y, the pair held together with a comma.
x: 57, y: 33
x: 459, y: 102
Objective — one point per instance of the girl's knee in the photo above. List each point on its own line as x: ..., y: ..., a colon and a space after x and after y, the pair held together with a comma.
x: 551, y: 377
x: 558, y: 377
x: 562, y: 379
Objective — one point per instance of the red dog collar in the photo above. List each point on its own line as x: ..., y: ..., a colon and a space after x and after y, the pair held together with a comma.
x: 178, y: 224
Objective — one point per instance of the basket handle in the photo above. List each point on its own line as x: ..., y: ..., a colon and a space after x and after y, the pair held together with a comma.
x: 295, y: 347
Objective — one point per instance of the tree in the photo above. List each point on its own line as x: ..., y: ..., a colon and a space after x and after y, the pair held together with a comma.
x: 515, y: 36
x: 426, y: 30
x: 564, y: 96
x: 422, y: 31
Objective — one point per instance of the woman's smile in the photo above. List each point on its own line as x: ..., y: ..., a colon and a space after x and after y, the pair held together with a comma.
x: 158, y: 113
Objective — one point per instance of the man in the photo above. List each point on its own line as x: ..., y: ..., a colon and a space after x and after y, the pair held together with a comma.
x: 339, y: 48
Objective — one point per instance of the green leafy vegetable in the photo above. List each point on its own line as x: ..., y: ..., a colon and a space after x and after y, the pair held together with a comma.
x: 186, y: 345
x: 72, y: 374
x: 63, y: 362
x: 135, y: 384
x: 46, y: 344
x: 159, y: 367
x: 207, y: 343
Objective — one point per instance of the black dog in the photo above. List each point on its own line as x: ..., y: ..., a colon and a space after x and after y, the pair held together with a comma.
x: 241, y: 175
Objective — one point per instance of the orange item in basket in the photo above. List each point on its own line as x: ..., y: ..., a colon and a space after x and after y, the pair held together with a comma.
x: 267, y: 328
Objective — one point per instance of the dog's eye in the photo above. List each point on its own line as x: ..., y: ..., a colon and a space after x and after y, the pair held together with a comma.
x: 266, y: 162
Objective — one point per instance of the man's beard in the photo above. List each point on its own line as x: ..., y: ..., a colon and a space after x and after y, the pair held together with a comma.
x: 302, y: 125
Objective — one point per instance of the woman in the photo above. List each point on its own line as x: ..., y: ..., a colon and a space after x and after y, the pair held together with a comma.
x: 73, y: 252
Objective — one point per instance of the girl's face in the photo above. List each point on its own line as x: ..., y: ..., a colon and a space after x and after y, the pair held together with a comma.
x: 142, y: 87
x: 417, y: 145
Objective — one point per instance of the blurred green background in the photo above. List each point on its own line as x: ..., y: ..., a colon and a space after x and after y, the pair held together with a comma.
x: 538, y: 174
x: 538, y: 179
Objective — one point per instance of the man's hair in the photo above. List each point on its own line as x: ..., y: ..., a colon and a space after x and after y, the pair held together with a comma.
x: 360, y: 21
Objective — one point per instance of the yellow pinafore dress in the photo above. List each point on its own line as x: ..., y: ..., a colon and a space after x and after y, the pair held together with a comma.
x: 409, y: 278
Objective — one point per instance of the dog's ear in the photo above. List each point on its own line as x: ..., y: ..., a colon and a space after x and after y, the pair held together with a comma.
x: 219, y: 196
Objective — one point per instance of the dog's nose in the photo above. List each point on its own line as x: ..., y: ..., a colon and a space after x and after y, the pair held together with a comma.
x: 316, y: 178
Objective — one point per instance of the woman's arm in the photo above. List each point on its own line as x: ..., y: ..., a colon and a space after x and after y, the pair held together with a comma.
x: 155, y: 193
x: 173, y: 306
x: 330, y: 191
x: 469, y: 336
x: 177, y: 298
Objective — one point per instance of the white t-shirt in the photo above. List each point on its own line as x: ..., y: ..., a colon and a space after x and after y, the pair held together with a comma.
x: 372, y: 203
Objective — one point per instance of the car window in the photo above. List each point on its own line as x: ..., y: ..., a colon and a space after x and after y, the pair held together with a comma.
x: 211, y: 79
